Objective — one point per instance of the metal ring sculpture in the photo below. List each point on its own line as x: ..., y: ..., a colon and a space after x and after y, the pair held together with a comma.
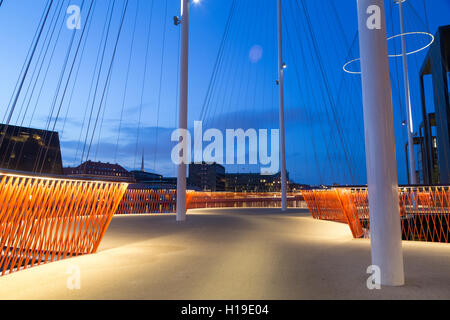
x: 394, y: 55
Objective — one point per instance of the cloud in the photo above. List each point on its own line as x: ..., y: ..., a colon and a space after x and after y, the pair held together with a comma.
x: 155, y: 142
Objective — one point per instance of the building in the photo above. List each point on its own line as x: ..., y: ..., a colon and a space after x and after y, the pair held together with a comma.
x: 207, y: 177
x: 30, y: 150
x: 293, y: 187
x: 434, y: 155
x: 419, y: 147
x: 100, y: 170
x: 146, y: 177
x: 153, y: 181
x: 253, y: 182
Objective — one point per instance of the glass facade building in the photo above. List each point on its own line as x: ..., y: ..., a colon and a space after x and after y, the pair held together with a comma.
x: 30, y: 150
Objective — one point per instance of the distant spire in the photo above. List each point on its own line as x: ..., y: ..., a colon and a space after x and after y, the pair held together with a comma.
x: 142, y: 165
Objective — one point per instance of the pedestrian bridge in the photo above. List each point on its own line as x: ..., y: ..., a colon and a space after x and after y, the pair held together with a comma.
x: 45, y: 219
x: 239, y: 253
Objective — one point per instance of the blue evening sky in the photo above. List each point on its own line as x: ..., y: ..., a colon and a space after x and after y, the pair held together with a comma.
x: 325, y: 142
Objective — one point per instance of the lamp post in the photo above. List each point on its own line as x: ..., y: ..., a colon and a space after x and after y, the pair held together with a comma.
x: 382, y: 179
x: 281, y: 67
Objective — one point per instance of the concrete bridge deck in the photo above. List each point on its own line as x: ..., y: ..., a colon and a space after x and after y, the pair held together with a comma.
x: 231, y: 254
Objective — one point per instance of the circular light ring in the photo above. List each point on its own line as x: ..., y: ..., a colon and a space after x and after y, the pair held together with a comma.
x: 407, y: 34
x: 348, y: 63
x: 394, y: 55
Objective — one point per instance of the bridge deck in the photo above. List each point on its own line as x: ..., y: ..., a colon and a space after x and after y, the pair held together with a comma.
x: 231, y: 254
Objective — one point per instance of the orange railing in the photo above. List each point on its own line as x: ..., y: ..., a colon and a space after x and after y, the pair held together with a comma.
x: 47, y: 219
x: 139, y: 201
x: 241, y: 200
x: 144, y: 201
x: 424, y: 211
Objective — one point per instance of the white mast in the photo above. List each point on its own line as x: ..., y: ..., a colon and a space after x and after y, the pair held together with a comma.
x: 281, y: 67
x: 411, y: 157
x: 382, y: 179
x: 181, y: 179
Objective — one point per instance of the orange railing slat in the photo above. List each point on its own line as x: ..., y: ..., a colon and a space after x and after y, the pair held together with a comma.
x: 47, y: 219
x: 424, y: 211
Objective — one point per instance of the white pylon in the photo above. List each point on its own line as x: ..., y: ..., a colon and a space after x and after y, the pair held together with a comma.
x: 409, y: 121
x: 281, y: 67
x: 184, y: 60
x: 382, y: 179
